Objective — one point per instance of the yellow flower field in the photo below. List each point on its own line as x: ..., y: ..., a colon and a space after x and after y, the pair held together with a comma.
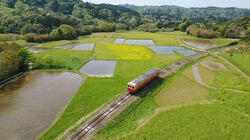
x: 130, y: 52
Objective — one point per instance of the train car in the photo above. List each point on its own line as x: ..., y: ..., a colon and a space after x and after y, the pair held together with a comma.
x: 144, y: 79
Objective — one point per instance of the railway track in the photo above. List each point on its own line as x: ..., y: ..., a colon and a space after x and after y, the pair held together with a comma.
x: 97, y: 121
x: 93, y: 124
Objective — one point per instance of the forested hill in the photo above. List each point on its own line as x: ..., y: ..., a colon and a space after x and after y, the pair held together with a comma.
x: 41, y: 16
x: 175, y: 13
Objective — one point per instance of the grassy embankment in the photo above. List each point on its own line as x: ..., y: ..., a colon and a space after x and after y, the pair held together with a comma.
x: 224, y: 114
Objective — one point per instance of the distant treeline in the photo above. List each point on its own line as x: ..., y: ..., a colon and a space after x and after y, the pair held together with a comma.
x: 239, y: 28
x: 40, y: 20
x: 43, y: 16
x: 203, y: 15
x: 13, y: 59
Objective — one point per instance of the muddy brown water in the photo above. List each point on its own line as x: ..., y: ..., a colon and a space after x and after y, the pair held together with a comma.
x: 30, y: 104
x: 200, y: 44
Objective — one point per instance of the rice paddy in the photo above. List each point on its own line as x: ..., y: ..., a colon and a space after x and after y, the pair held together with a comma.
x: 171, y: 50
x: 199, y: 44
x: 84, y: 47
x: 99, y: 68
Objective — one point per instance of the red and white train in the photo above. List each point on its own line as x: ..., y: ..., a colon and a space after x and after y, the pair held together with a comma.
x: 143, y: 80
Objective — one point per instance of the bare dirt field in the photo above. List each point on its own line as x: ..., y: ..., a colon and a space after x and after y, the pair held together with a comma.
x: 212, y: 65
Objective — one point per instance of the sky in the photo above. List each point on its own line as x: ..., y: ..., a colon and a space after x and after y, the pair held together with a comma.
x: 182, y: 3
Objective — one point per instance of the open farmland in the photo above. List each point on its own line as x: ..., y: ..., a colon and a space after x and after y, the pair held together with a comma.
x: 114, y: 70
x: 132, y: 61
x: 97, y: 91
x: 203, y: 112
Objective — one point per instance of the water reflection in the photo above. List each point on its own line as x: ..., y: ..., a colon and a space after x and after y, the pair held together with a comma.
x: 200, y: 44
x: 30, y: 104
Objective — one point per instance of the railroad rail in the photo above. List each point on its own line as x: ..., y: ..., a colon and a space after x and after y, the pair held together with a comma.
x: 92, y: 124
x: 97, y: 121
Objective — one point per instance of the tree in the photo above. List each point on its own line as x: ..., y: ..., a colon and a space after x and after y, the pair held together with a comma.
x: 246, y: 37
x: 14, y: 59
x: 78, y: 12
x: 106, y: 27
x: 146, y: 20
x: 64, y: 32
x: 2, y: 28
x: 183, y: 26
x: 7, y: 3
x: 25, y: 57
x: 53, y: 5
x: 133, y: 22
x: 148, y: 27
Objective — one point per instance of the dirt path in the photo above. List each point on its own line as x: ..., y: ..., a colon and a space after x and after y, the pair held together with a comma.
x: 198, y: 78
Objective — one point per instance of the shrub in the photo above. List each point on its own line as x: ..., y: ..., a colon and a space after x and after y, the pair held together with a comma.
x: 183, y: 26
x: 202, y: 33
x: 106, y: 27
x: 10, y: 37
x: 148, y: 27
x: 2, y: 28
x: 31, y: 37
x: 233, y: 43
x: 48, y: 63
x: 84, y: 30
x: 66, y: 32
x: 121, y: 26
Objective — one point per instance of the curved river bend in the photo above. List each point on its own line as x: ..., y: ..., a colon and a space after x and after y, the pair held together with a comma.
x: 29, y: 105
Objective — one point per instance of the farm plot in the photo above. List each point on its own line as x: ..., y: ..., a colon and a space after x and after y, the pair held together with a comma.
x: 218, y: 74
x: 61, y: 58
x: 99, y: 68
x: 123, y: 52
x: 134, y: 42
x: 171, y: 50
x: 37, y: 49
x: 68, y: 45
x: 84, y: 47
x: 119, y: 41
x: 199, y: 44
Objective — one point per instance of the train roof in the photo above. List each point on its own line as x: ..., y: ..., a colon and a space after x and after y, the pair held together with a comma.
x: 144, y: 76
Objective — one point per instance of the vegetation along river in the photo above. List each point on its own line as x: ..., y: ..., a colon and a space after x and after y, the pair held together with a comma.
x: 30, y: 104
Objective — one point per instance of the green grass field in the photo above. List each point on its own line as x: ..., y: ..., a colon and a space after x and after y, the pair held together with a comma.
x: 239, y: 60
x: 230, y: 78
x: 224, y: 116
x: 194, y: 122
x: 178, y: 92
